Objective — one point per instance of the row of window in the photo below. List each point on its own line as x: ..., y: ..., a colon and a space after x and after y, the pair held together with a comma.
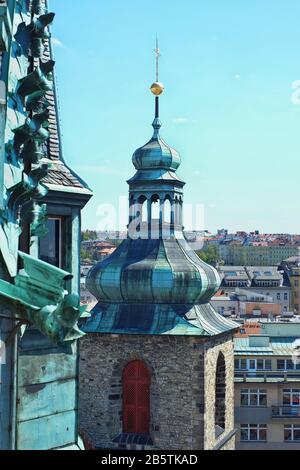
x: 267, y: 283
x: 265, y: 364
x: 259, y: 433
x: 258, y: 397
x: 285, y: 296
x: 237, y: 283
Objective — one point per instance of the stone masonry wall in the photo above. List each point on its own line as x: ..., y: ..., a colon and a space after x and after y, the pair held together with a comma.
x: 213, y: 349
x: 182, y: 386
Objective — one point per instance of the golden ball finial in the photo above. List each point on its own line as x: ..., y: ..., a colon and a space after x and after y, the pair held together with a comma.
x: 157, y: 88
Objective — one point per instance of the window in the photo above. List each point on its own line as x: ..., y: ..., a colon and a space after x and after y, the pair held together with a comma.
x: 296, y: 295
x: 253, y: 397
x: 287, y: 364
x: 291, y: 396
x: 136, y: 398
x: 50, y: 246
x: 278, y: 296
x: 253, y: 364
x: 220, y: 394
x: 253, y: 432
x: 296, y: 283
x: 285, y: 296
x: 291, y: 432
x: 240, y: 364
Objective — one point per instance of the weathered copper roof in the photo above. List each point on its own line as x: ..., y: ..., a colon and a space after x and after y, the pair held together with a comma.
x: 179, y: 320
x: 278, y: 346
x: 156, y: 153
x: 59, y: 173
x: 165, y: 271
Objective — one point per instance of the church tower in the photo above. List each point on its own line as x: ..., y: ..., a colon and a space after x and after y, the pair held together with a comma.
x: 157, y: 360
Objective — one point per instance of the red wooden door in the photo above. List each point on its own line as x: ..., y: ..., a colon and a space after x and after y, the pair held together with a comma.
x: 136, y: 398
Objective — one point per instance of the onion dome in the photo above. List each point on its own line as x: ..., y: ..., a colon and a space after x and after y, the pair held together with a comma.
x: 154, y: 283
x: 156, y: 153
x: 161, y: 271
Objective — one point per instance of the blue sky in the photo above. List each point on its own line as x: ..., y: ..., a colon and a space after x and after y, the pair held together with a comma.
x: 228, y: 69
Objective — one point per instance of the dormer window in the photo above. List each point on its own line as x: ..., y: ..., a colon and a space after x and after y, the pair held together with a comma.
x: 50, y: 246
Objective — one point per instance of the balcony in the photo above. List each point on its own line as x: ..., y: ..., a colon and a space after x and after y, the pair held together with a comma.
x: 285, y: 412
x: 267, y: 376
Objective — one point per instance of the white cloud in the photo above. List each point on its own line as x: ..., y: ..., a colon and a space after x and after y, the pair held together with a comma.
x: 56, y: 42
x: 179, y: 120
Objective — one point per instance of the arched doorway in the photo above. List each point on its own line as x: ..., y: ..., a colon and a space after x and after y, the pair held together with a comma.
x: 136, y: 398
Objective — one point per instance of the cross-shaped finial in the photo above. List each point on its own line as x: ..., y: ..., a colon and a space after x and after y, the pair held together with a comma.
x: 157, y: 53
x: 157, y: 88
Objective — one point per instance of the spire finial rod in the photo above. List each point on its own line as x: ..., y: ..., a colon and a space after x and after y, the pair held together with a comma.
x: 157, y: 88
x: 157, y: 53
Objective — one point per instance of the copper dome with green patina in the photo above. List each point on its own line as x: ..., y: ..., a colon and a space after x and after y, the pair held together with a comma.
x: 156, y: 153
x: 154, y: 283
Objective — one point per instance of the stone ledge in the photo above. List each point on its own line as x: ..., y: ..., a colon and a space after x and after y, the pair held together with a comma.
x: 225, y: 440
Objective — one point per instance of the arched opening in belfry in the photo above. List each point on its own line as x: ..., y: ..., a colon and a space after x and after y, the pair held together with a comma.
x: 141, y: 214
x: 176, y: 211
x: 167, y: 210
x: 143, y: 208
x: 155, y: 207
x: 155, y: 216
x: 131, y: 208
x: 136, y: 381
x: 180, y: 211
x: 220, y: 395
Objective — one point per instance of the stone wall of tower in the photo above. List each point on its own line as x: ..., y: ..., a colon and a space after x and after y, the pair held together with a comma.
x: 183, y: 378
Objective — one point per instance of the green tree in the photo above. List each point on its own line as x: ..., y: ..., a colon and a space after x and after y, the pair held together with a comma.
x: 210, y: 254
x: 84, y: 254
x: 89, y: 235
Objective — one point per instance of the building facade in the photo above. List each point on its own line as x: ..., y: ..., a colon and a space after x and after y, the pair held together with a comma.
x: 291, y: 267
x: 39, y: 280
x: 237, y: 254
x: 166, y: 353
x: 263, y: 280
x: 244, y: 304
x: 267, y: 388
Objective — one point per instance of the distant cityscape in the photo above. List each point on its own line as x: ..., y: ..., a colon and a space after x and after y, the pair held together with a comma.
x: 260, y: 290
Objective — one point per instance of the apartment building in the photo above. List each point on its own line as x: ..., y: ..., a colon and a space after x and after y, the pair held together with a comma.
x: 258, y: 280
x: 291, y: 267
x: 262, y: 254
x: 245, y: 304
x: 267, y: 388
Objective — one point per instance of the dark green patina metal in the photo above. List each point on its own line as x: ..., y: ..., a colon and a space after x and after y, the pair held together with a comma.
x: 39, y: 303
x: 154, y: 283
